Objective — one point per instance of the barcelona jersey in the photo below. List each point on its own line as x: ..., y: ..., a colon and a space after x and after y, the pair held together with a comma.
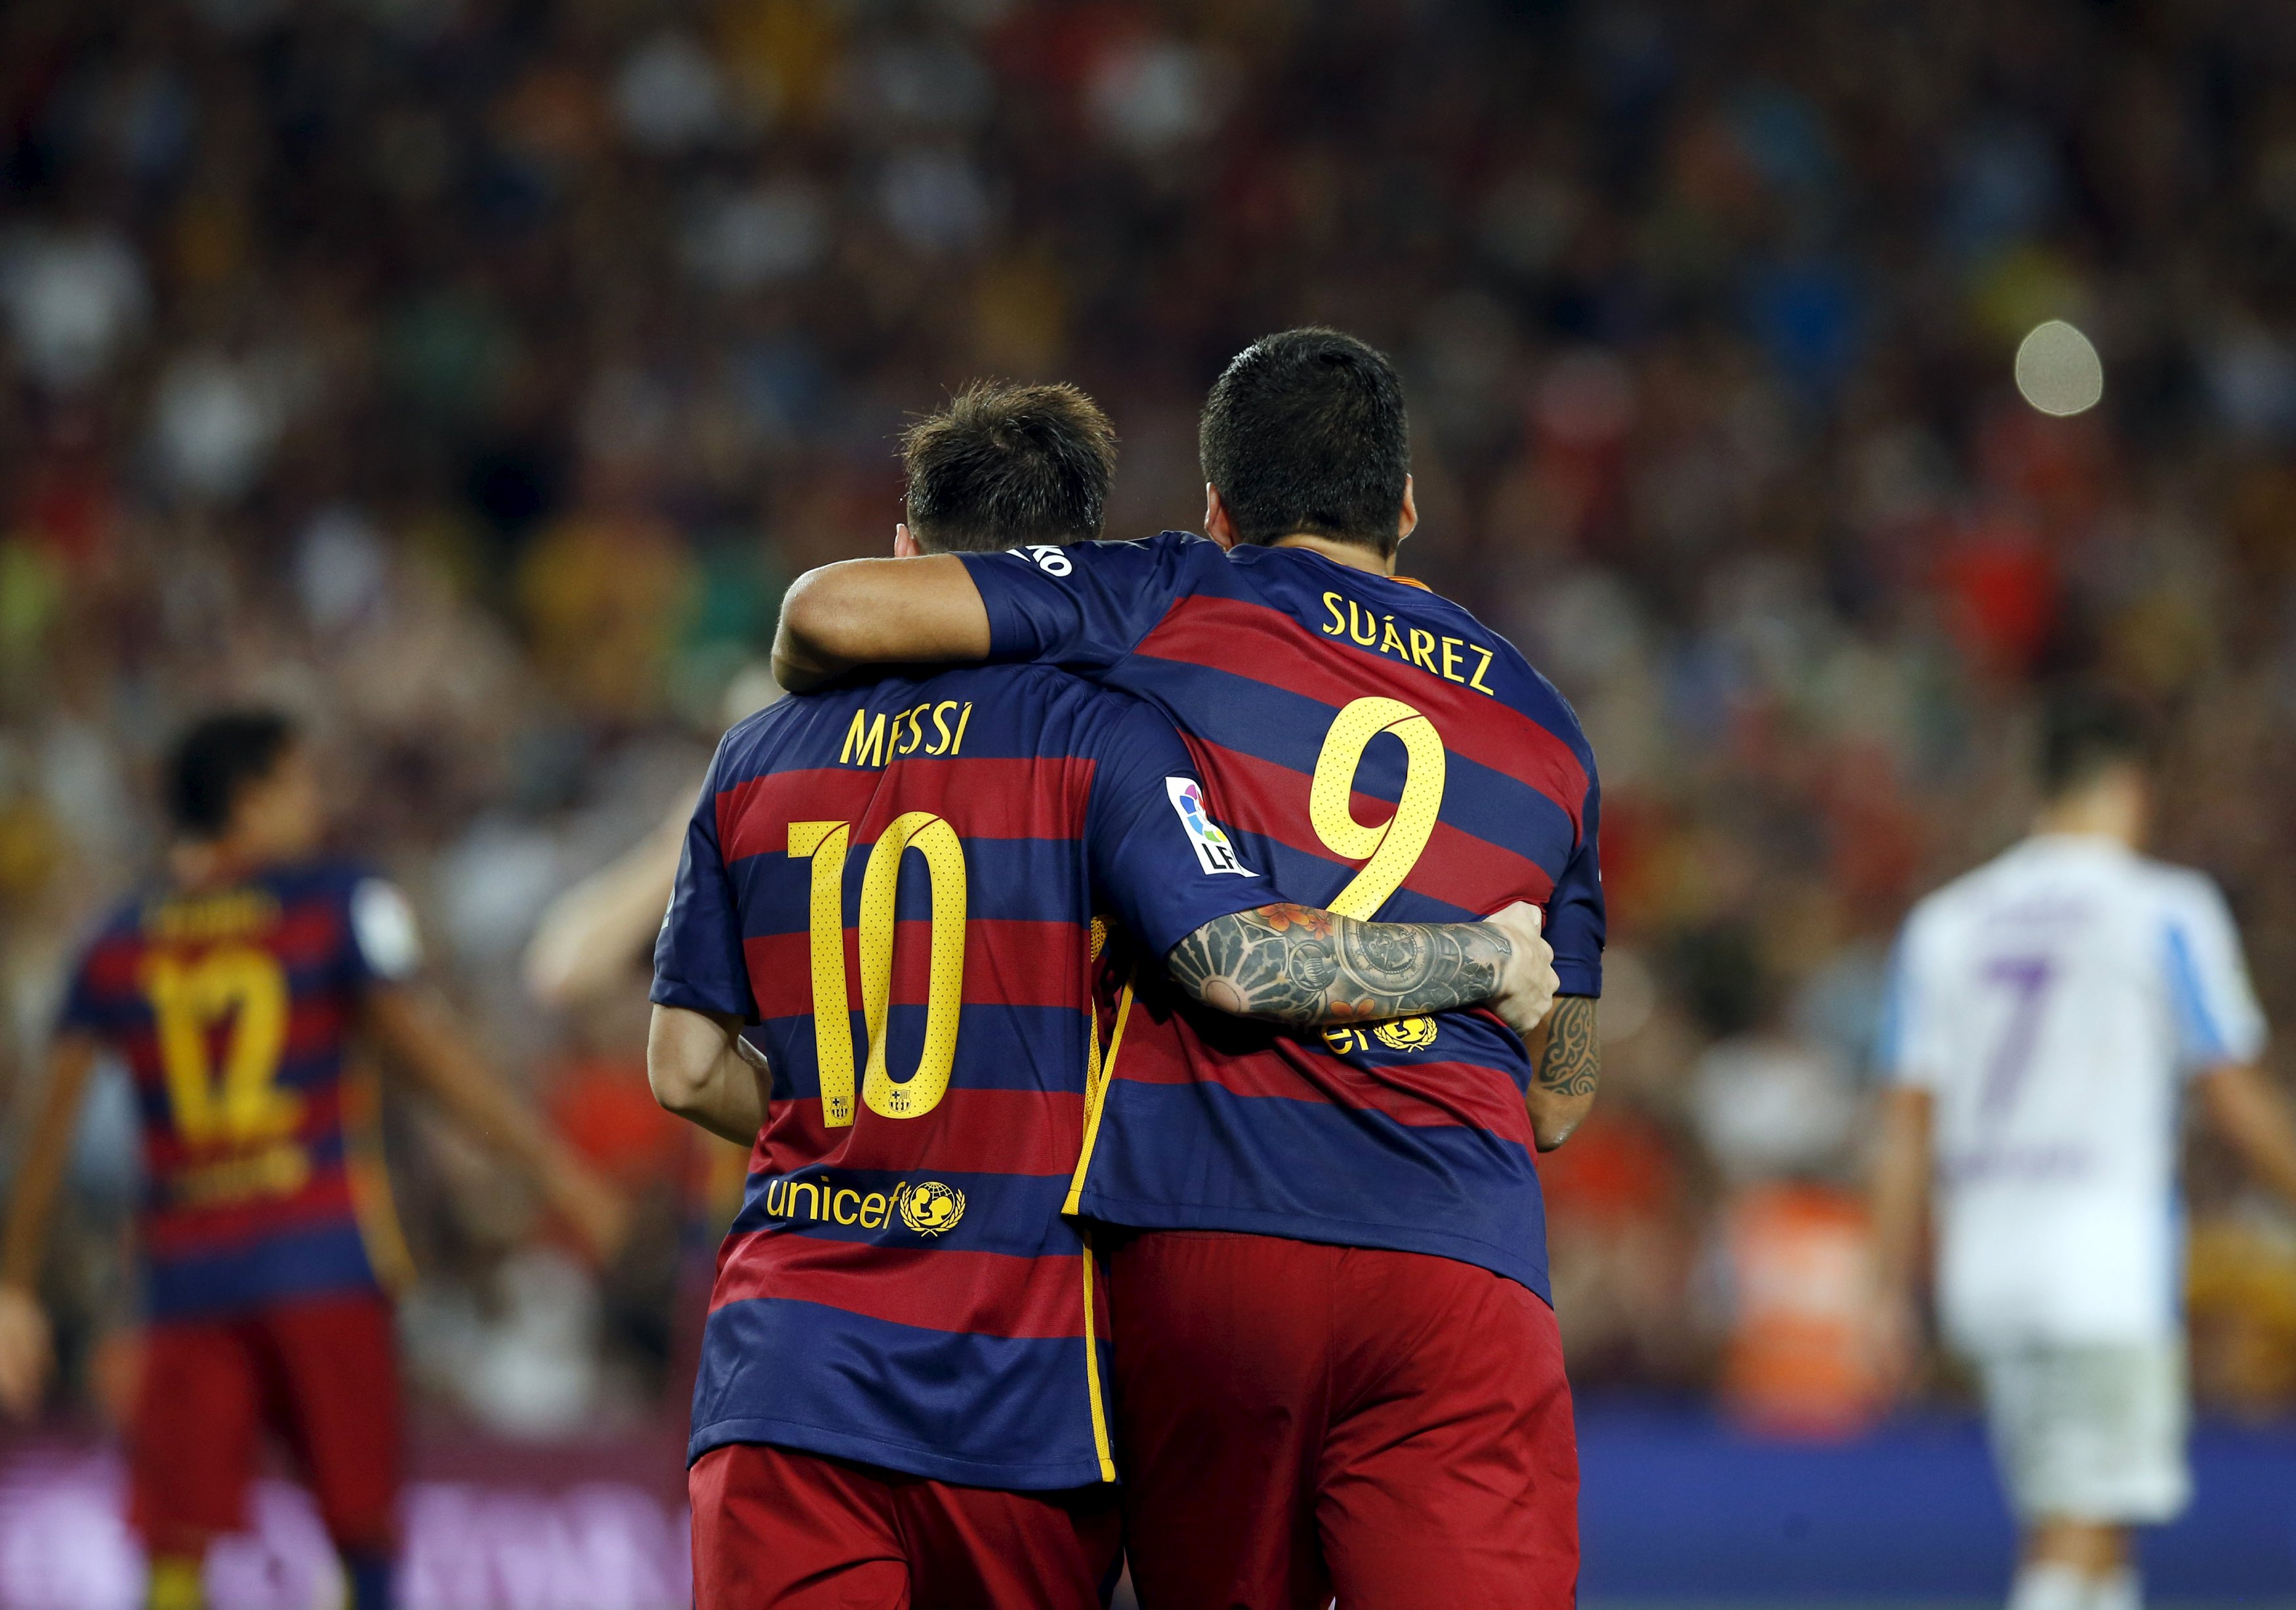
x: 896, y: 885
x: 1373, y: 749
x: 232, y: 1007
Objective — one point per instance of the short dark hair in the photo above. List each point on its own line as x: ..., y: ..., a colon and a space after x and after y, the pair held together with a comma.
x: 1306, y: 431
x: 2086, y: 732
x: 1006, y: 463
x: 213, y: 763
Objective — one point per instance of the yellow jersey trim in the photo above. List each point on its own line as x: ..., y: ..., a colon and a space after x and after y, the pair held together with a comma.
x: 1091, y: 1376
x: 1097, y: 1074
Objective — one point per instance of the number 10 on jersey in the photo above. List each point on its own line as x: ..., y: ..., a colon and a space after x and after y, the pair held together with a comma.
x: 826, y: 844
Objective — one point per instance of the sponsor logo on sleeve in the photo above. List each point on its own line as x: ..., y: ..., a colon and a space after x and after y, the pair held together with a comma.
x: 1213, y: 851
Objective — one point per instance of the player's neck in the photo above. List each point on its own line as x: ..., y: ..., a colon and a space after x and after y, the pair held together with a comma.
x: 1353, y: 554
x: 2058, y: 822
x: 210, y: 863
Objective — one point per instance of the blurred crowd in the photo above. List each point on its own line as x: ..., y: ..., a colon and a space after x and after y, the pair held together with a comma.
x: 471, y: 374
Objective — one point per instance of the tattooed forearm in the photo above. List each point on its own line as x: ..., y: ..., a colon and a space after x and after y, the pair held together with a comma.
x: 1572, y: 1065
x: 1298, y: 966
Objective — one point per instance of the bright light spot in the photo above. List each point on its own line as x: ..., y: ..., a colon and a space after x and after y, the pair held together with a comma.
x: 2058, y: 370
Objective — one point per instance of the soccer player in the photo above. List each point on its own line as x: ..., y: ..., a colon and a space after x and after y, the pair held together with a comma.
x: 2047, y: 1015
x: 902, y: 1396
x: 232, y: 988
x: 1331, y: 1393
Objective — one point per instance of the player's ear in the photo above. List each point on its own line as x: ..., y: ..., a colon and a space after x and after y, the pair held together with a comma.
x: 905, y: 546
x: 1217, y: 524
x: 1408, y: 521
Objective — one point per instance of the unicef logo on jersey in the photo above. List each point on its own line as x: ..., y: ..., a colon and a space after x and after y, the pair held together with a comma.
x: 930, y: 1208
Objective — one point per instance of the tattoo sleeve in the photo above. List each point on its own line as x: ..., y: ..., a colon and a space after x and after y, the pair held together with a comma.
x: 1298, y: 966
x: 1573, y: 1063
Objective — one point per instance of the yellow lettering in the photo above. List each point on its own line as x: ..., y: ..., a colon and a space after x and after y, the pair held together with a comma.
x: 1451, y: 646
x: 941, y: 724
x: 204, y: 919
x: 944, y: 855
x: 1422, y: 649
x: 1364, y: 637
x: 864, y: 746
x: 873, y: 1207
x: 242, y: 989
x: 1390, y: 849
x: 964, y: 716
x: 773, y: 1195
x: 1482, y: 665
x: 812, y: 1198
x: 1339, y: 621
x: 1390, y: 643
x: 826, y: 843
x: 837, y: 1206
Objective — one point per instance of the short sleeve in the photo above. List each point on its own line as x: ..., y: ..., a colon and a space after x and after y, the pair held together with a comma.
x: 698, y: 962
x: 386, y: 946
x: 1158, y: 861
x: 1576, y: 922
x: 1083, y: 606
x: 2218, y: 1019
x: 1905, y: 1047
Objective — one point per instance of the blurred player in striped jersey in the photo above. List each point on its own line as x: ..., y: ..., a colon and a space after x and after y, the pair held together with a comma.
x: 2047, y: 1013
x: 232, y: 988
x: 902, y: 1398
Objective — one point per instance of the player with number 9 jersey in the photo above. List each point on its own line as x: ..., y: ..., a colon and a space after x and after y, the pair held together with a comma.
x: 1382, y: 753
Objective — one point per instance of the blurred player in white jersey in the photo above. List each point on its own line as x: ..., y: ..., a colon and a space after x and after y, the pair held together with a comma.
x: 2047, y: 1013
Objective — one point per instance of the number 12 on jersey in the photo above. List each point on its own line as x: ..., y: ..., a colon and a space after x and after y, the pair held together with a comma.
x: 826, y: 844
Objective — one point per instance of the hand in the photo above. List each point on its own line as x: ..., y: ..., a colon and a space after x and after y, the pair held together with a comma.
x: 27, y: 1353
x: 1527, y: 984
x: 598, y: 1212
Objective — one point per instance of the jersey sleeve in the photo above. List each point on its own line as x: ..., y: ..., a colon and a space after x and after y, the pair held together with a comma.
x: 1084, y: 606
x: 1906, y: 1051
x: 698, y: 962
x: 1159, y: 861
x: 2217, y: 1018
x: 1576, y: 921
x: 386, y: 946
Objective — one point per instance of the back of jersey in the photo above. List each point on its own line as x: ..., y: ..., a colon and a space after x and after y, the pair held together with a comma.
x: 1377, y: 750
x: 231, y: 1006
x: 2052, y: 1003
x: 896, y: 884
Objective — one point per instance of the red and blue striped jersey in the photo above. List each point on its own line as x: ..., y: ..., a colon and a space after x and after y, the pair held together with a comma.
x: 232, y: 1007
x: 896, y: 883
x: 1373, y: 749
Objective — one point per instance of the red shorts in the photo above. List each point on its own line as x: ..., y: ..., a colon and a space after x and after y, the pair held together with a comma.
x: 323, y: 1374
x: 774, y: 1527
x: 1297, y: 1421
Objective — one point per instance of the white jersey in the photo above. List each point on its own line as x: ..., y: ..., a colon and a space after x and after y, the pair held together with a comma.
x: 2053, y: 1003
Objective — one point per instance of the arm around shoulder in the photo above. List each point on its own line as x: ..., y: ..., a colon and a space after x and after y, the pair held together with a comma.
x: 878, y: 612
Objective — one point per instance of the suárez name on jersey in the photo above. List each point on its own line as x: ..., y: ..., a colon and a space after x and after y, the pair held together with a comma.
x: 1445, y: 657
x: 888, y: 737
